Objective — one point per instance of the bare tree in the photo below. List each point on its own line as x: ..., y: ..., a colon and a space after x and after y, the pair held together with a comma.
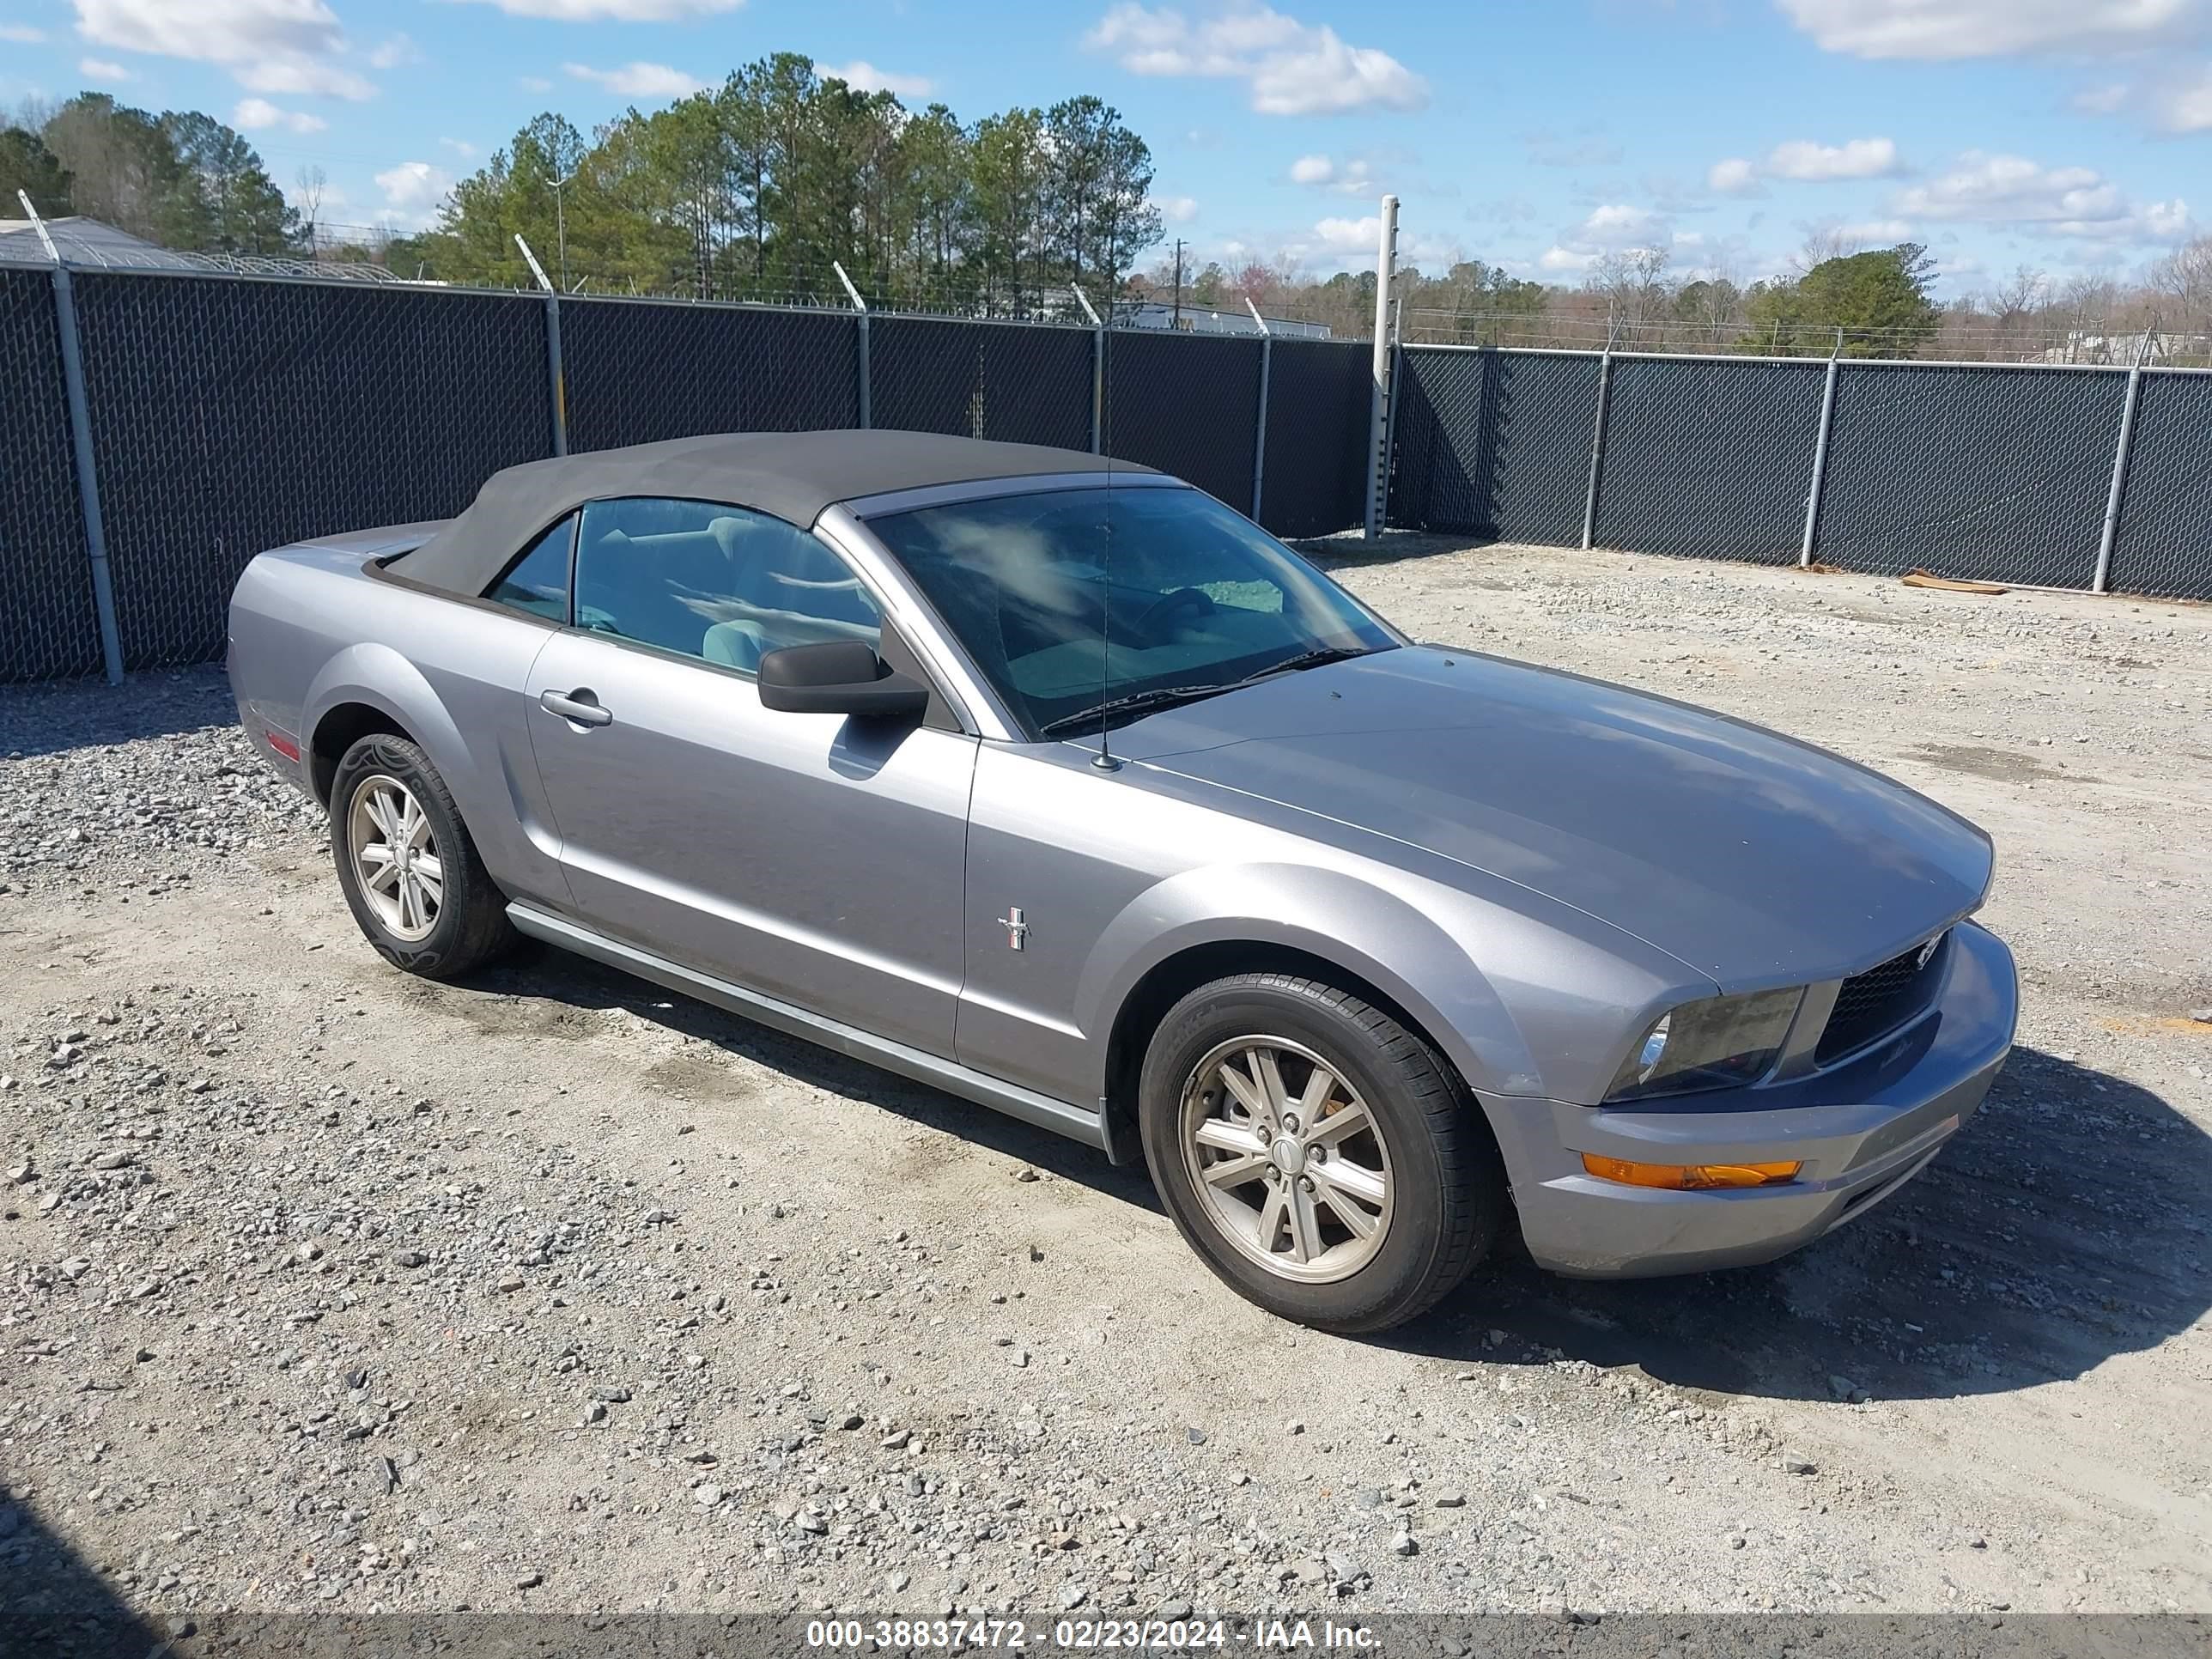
x: 2185, y: 278
x: 1635, y: 285
x: 1822, y: 244
x: 308, y: 185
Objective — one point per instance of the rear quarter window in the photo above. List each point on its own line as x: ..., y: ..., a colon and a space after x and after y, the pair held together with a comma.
x: 537, y: 582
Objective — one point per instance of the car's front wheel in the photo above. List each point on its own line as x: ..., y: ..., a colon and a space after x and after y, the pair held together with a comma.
x: 1322, y: 1158
x: 412, y: 877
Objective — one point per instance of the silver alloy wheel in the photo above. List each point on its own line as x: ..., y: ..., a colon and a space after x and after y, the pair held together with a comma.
x: 396, y: 857
x: 1287, y: 1158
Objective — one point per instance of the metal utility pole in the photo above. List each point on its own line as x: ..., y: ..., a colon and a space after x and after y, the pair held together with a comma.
x: 1260, y: 427
x: 556, y: 374
x: 1378, y: 457
x: 1821, y: 457
x: 1098, y: 369
x: 79, y: 422
x: 2101, y: 582
x: 561, y: 226
x: 1178, y: 283
x: 867, y: 418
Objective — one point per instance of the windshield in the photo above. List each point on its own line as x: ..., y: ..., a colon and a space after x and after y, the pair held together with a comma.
x: 1192, y: 598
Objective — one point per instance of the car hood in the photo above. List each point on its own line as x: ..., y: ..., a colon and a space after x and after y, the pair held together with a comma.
x: 1750, y: 856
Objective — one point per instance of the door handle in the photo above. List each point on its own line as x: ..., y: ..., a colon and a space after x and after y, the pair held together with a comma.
x: 579, y: 705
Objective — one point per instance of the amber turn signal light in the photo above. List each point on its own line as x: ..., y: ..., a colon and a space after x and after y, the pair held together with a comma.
x: 1690, y: 1177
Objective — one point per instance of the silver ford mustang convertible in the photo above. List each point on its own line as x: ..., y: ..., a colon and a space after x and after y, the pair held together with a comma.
x: 1055, y: 783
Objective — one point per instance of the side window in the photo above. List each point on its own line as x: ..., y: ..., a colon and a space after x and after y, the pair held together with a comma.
x: 537, y: 582
x: 714, y: 582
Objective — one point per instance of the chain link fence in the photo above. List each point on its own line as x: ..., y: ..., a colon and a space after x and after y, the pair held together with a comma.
x: 1494, y: 443
x: 51, y: 631
x: 637, y: 371
x: 2030, y: 475
x: 1027, y: 383
x: 225, y: 413
x: 230, y: 414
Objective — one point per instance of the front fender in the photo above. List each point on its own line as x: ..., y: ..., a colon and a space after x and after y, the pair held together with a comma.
x: 1379, y: 935
x: 379, y: 677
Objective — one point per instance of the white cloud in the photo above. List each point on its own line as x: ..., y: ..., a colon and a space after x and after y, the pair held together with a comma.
x: 1565, y: 260
x: 1980, y: 188
x: 1734, y: 177
x: 1549, y: 149
x: 1988, y: 29
x: 267, y: 45
x: 412, y: 191
x: 534, y: 83
x: 394, y: 52
x: 1350, y: 178
x: 1855, y: 158
x: 1806, y: 161
x: 613, y: 11
x: 1351, y: 235
x: 2185, y: 105
x: 1617, y: 225
x: 1291, y: 68
x: 102, y: 69
x: 1872, y: 233
x: 1177, y: 210
x: 461, y: 147
x: 863, y: 76
x: 639, y: 80
x: 23, y: 34
x: 254, y: 114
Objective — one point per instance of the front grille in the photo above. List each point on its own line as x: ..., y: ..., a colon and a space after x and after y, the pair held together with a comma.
x: 1875, y: 1003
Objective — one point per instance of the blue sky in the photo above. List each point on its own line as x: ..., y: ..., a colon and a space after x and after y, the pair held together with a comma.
x: 2073, y: 135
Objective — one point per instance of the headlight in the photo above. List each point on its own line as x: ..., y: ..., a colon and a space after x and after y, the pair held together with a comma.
x: 1714, y: 1044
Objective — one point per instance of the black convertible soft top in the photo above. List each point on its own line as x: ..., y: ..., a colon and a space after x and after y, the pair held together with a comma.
x: 790, y: 475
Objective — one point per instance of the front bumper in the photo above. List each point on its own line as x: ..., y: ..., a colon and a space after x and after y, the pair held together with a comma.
x: 1861, y: 1130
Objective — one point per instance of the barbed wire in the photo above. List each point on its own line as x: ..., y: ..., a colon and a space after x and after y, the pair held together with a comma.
x: 2100, y: 342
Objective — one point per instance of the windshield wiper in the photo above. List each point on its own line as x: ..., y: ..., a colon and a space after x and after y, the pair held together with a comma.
x: 1167, y: 697
x: 1319, y: 658
x: 1160, y: 696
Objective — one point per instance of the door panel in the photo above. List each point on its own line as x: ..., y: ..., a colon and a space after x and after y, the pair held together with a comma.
x: 810, y: 857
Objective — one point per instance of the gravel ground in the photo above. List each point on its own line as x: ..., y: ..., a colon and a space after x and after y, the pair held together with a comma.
x: 321, y: 1288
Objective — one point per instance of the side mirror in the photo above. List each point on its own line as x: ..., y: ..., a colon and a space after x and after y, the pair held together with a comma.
x: 838, y: 677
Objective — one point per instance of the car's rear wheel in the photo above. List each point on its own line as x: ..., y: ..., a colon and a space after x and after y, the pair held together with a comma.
x: 411, y: 876
x: 1322, y: 1158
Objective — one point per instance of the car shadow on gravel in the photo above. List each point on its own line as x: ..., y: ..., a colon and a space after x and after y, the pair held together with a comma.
x: 55, y: 1602
x: 2068, y: 1223
x: 48, y: 719
x: 539, y: 971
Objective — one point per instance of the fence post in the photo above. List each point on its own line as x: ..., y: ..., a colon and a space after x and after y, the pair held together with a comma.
x: 1386, y: 265
x: 87, y: 480
x: 860, y: 306
x: 1098, y: 370
x: 1260, y: 427
x: 2102, y: 581
x: 1597, y: 439
x: 1820, y: 456
x: 557, y: 379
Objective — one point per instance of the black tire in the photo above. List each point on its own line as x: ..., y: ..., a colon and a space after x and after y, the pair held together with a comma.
x: 1448, y: 1192
x: 470, y: 927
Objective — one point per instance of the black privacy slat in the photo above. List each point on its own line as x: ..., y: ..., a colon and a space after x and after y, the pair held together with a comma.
x: 1495, y: 444
x: 1014, y: 383
x: 230, y: 416
x: 1187, y: 404
x: 639, y: 371
x: 2165, y: 541
x: 1320, y: 397
x: 1991, y: 474
x: 51, y: 631
x: 1708, y: 460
